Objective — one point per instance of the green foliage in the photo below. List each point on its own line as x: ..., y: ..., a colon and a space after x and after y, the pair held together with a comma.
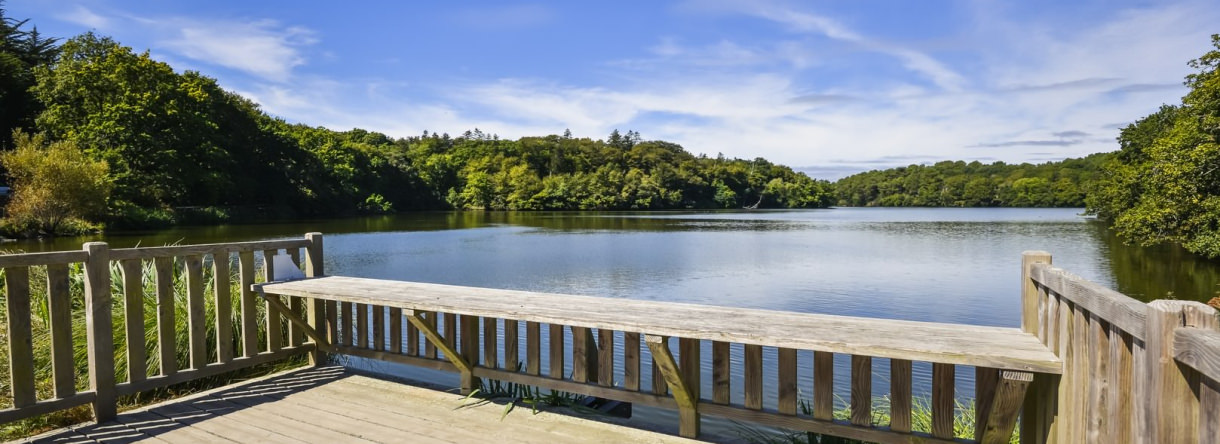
x: 974, y: 184
x: 55, y: 186
x: 1164, y: 183
x: 20, y: 51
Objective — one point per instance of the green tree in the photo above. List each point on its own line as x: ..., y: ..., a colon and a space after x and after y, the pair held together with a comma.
x: 54, y: 184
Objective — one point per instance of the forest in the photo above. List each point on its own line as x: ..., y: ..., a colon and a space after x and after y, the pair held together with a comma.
x: 974, y: 184
x: 177, y: 148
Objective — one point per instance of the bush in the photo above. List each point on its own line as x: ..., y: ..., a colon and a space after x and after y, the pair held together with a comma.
x: 56, y: 188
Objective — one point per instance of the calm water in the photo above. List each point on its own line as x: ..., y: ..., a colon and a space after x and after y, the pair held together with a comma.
x: 942, y: 265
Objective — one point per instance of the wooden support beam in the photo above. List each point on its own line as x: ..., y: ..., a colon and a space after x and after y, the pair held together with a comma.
x: 295, y: 319
x: 1006, y: 403
x: 441, y: 344
x: 687, y: 404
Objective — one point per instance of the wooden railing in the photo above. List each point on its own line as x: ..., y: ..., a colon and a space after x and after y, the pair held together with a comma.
x: 624, y: 350
x: 176, y: 274
x: 1087, y: 365
x: 1132, y: 372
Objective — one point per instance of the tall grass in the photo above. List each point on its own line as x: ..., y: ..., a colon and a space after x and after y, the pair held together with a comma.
x: 921, y: 421
x: 40, y: 325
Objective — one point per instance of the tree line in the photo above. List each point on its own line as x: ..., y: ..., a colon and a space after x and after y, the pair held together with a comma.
x: 176, y: 147
x: 974, y: 184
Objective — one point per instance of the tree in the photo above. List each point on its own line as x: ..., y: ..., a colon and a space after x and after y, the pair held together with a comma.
x: 1164, y: 184
x: 53, y: 183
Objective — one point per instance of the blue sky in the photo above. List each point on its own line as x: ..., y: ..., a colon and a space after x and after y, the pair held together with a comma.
x: 829, y: 87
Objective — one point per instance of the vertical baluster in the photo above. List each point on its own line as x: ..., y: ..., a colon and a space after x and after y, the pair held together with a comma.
x: 296, y: 305
x: 133, y: 319
x: 470, y: 339
x: 396, y: 330
x: 347, y: 331
x: 248, y: 306
x: 99, y: 326
x: 275, y: 329
x: 753, y: 377
x: 786, y: 381
x: 533, y: 348
x: 861, y: 390
x: 197, y: 327
x: 1081, y: 377
x: 690, y: 367
x: 580, y: 351
x: 721, y: 373
x: 823, y: 385
x: 362, y: 325
x: 1100, y: 418
x: 631, y: 361
x: 942, y: 400
x: 378, y: 327
x: 900, y: 395
x: 59, y: 304
x: 433, y: 319
x: 512, y: 357
x: 412, y: 340
x: 1120, y: 378
x: 605, y: 357
x: 556, y: 338
x: 451, y: 331
x: 332, y: 322
x: 166, y: 343
x: 985, y: 380
x: 20, y: 336
x: 223, y: 305
x: 491, y: 346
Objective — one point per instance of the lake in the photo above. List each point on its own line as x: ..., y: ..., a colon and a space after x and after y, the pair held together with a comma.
x: 940, y: 265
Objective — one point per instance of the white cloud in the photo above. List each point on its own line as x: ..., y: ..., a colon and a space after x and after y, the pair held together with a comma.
x: 263, y: 48
x: 85, y: 17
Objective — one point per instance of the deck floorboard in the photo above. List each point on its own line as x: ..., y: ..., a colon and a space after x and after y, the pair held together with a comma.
x: 334, y: 405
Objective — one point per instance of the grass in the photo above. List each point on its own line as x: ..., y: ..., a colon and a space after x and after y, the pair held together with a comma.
x: 42, y: 344
x: 921, y: 421
x: 514, y: 394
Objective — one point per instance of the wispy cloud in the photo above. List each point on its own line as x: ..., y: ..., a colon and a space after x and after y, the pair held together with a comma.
x: 263, y: 48
x: 86, y: 17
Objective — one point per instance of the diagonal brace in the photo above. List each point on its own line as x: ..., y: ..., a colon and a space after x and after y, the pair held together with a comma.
x: 468, y: 380
x: 687, y: 404
x: 293, y: 318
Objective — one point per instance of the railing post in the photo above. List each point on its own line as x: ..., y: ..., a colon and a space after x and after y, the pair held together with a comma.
x: 98, y: 305
x: 1172, y: 408
x: 1040, y: 411
x: 316, y: 319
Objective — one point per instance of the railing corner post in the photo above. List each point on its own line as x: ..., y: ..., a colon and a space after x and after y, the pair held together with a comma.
x: 99, y: 325
x: 1172, y: 408
x: 1029, y: 292
x: 317, y: 319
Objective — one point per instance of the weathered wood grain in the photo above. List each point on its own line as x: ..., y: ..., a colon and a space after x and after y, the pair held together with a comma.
x: 1001, y: 348
x: 1029, y: 290
x: 1114, y: 307
x: 133, y: 319
x: 186, y: 250
x: 20, y: 336
x: 942, y: 400
x: 555, y: 339
x: 1100, y: 418
x: 753, y: 373
x: 249, y: 311
x: 580, y: 351
x: 222, y: 302
x: 99, y: 342
x: 273, y: 321
x: 631, y: 361
x: 491, y: 347
x: 680, y: 388
x: 59, y: 307
x: 533, y: 348
x: 1200, y: 349
x: 786, y: 381
x: 861, y: 390
x: 721, y: 373
x: 32, y: 259
x: 691, y: 366
x: 512, y: 345
x: 1121, y: 380
x: 605, y: 357
x: 900, y: 395
x: 1172, y: 407
x: 1005, y: 405
x: 395, y: 315
x: 166, y: 342
x: 823, y: 385
x: 197, y: 327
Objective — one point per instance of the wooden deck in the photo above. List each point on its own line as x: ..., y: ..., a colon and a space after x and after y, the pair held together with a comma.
x: 334, y: 405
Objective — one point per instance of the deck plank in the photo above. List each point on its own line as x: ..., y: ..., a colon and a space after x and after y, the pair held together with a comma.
x: 332, y: 404
x: 993, y: 347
